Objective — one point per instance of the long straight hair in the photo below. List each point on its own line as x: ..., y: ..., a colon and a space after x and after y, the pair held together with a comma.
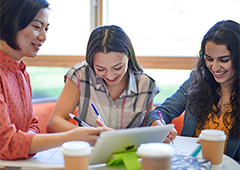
x: 111, y: 38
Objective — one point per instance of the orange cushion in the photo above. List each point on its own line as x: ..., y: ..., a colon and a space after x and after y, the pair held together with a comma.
x: 43, y: 111
x: 178, y: 123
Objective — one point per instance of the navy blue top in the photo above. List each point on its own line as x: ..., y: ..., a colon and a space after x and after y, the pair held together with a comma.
x: 174, y: 106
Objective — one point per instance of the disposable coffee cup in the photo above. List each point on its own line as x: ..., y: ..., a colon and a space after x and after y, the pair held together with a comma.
x: 212, y: 143
x: 76, y: 155
x: 155, y: 156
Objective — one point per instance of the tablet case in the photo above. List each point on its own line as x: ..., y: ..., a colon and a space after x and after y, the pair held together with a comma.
x: 126, y: 140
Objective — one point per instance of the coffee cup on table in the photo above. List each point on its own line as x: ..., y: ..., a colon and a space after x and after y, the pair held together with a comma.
x: 155, y: 156
x: 212, y: 143
x: 76, y: 155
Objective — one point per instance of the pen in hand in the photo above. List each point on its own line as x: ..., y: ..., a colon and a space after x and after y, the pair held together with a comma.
x: 81, y: 122
x: 160, y: 117
x: 163, y: 122
x: 98, y: 115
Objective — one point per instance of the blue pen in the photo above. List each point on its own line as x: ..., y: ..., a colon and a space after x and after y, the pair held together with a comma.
x: 98, y: 115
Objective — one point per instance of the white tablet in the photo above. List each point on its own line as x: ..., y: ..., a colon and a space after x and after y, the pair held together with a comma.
x: 117, y: 141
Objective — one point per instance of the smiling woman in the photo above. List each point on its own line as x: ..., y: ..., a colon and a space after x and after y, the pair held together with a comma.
x: 112, y: 68
x: 210, y: 97
x: 23, y: 29
x: 27, y: 40
x: 111, y: 79
x: 218, y: 61
x: 33, y: 36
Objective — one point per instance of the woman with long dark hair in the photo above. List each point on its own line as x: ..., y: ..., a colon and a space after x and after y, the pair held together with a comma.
x: 210, y: 97
x: 111, y: 79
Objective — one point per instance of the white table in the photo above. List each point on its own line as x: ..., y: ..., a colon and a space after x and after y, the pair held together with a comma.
x: 228, y: 164
x: 53, y: 160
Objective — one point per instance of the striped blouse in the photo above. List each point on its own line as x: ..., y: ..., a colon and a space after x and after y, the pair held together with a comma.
x: 127, y: 111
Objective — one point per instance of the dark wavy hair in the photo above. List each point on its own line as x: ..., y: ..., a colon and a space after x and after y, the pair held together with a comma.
x: 204, y: 93
x: 15, y: 15
x: 111, y: 38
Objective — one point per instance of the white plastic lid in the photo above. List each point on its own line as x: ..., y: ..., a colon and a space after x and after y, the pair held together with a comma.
x: 76, y: 148
x: 155, y: 150
x: 212, y: 135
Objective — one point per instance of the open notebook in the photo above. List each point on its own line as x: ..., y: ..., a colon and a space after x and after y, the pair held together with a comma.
x: 192, y: 149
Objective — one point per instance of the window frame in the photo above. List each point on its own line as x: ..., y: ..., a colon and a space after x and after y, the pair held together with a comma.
x: 96, y: 17
x: 151, y: 62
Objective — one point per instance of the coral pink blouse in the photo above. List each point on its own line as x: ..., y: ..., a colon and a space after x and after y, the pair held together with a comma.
x: 16, y: 112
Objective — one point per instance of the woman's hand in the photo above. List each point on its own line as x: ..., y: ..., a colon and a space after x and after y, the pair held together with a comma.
x: 102, y: 125
x: 171, y: 136
x: 88, y: 134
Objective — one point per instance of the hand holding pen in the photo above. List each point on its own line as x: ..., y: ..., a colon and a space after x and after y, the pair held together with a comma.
x: 161, y: 118
x: 98, y: 115
x: 163, y: 122
x: 84, y: 124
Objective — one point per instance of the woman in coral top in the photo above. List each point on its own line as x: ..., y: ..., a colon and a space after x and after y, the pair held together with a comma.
x: 23, y: 29
x: 210, y: 97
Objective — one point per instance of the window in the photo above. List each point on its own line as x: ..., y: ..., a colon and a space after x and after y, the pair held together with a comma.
x: 156, y: 27
x: 67, y: 35
x: 168, y: 27
x: 69, y: 28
